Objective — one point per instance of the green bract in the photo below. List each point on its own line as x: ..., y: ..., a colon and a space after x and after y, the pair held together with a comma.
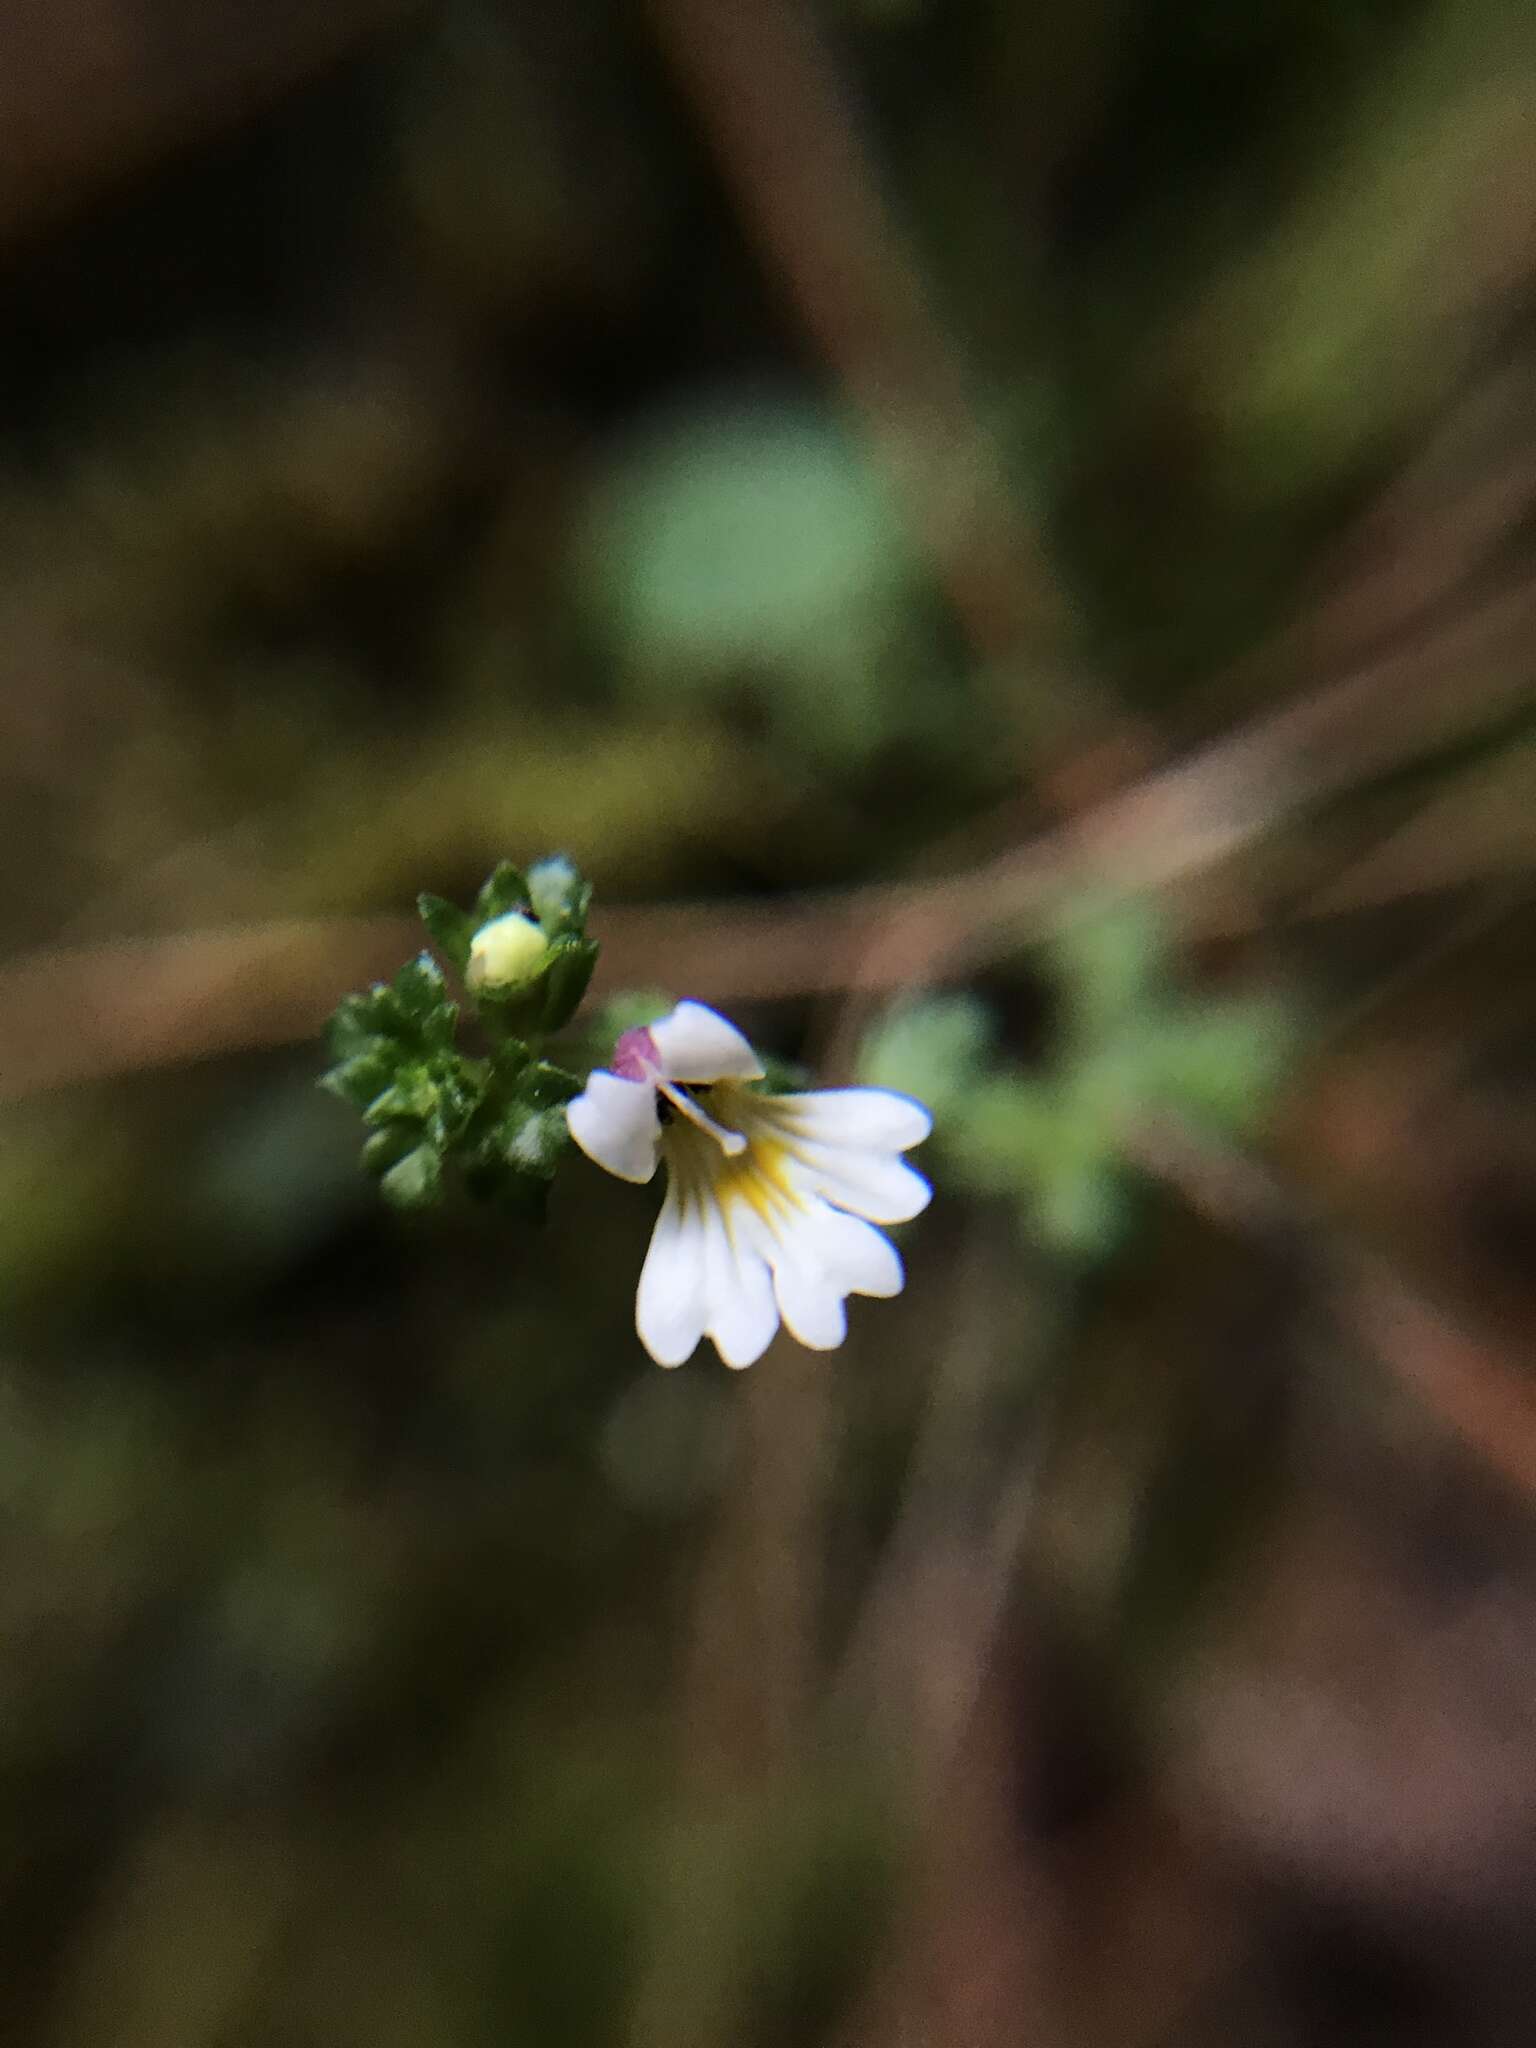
x: 496, y: 1113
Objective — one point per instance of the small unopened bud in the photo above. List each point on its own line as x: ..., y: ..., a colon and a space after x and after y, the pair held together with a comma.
x: 507, y: 953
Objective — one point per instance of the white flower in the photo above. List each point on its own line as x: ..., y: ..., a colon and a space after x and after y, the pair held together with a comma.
x: 771, y: 1199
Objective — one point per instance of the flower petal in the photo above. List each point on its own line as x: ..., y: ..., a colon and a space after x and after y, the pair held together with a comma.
x: 670, y: 1310
x: 874, y: 1185
x: 697, y: 1045
x: 855, y: 1254
x: 615, y: 1123
x: 743, y: 1316
x: 808, y: 1297
x: 870, y: 1118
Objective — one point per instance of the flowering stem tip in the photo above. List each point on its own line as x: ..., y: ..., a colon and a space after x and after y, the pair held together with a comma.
x: 772, y: 1199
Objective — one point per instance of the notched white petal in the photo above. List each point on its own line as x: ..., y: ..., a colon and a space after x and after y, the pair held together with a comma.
x: 745, y: 1316
x: 670, y: 1310
x: 614, y: 1121
x: 875, y: 1185
x: 867, y: 1118
x: 733, y: 1281
x: 856, y: 1256
x: 810, y: 1304
x: 696, y: 1044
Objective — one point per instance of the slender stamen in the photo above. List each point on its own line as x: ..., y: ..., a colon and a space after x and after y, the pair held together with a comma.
x: 730, y: 1142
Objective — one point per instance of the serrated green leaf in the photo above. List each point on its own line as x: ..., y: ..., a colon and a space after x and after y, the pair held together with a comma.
x: 416, y: 1181
x: 412, y: 1095
x: 458, y: 1096
x: 421, y: 997
x: 361, y: 1079
x: 360, y: 1022
x: 451, y: 928
x: 504, y: 889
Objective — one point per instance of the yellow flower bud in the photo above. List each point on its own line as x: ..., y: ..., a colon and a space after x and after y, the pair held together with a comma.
x: 506, y: 953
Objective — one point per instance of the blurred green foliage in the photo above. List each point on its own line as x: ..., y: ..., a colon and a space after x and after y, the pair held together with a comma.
x: 1065, y: 1142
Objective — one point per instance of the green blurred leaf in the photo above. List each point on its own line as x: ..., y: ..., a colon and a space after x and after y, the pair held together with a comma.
x: 1004, y: 1133
x: 1111, y: 959
x: 933, y: 1048
x: 1222, y: 1064
x: 743, y: 535
x: 1082, y: 1210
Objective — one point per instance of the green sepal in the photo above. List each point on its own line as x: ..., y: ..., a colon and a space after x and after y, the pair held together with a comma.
x: 416, y: 1181
x: 504, y: 889
x: 452, y: 929
x: 565, y: 979
x: 550, y: 999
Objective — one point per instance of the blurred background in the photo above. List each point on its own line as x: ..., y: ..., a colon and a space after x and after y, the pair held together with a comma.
x: 1003, y: 538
